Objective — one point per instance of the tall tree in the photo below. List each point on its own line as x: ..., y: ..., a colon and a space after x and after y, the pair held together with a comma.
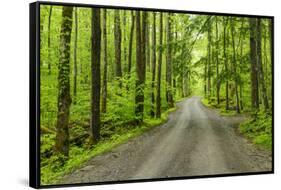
x: 140, y: 67
x: 75, y: 56
x: 153, y: 61
x: 235, y: 64
x: 124, y: 37
x: 95, y: 74
x: 64, y: 98
x: 169, y: 91
x: 259, y: 64
x: 117, y: 44
x: 147, y: 43
x: 217, y: 63
x: 158, y: 95
x: 254, y: 67
x: 49, y: 39
x: 131, y: 42
x: 209, y: 59
x: 225, y: 55
x: 104, y: 81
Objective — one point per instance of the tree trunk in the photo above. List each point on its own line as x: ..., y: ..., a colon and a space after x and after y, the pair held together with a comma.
x: 95, y: 74
x: 209, y: 60
x: 158, y: 96
x: 124, y: 39
x: 75, y: 56
x: 152, y: 112
x: 254, y: 67
x: 147, y: 43
x: 169, y: 63
x: 117, y: 45
x: 49, y: 40
x: 235, y: 65
x: 217, y: 63
x: 131, y: 43
x: 260, y: 68
x: 140, y: 67
x: 225, y: 45
x: 104, y: 85
x: 64, y: 99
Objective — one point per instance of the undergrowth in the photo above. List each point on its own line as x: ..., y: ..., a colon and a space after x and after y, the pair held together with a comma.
x: 55, y: 167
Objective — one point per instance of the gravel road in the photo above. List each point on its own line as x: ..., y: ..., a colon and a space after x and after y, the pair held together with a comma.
x: 194, y: 141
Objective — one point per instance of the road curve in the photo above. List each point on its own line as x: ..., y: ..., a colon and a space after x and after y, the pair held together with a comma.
x: 194, y: 141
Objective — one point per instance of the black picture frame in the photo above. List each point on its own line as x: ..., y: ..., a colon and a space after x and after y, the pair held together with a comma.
x: 34, y: 93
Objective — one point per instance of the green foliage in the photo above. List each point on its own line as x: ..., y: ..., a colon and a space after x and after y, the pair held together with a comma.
x: 56, y: 166
x: 259, y: 129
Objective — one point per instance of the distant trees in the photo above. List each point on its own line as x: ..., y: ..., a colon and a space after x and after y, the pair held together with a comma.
x: 225, y: 59
x: 64, y: 99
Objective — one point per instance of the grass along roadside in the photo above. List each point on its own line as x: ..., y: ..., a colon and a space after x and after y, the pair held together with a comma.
x: 55, y: 170
x: 258, y: 128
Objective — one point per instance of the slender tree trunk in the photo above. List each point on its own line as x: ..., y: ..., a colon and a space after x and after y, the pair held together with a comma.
x: 49, y: 40
x: 225, y: 46
x: 209, y: 59
x: 124, y: 39
x: 131, y: 43
x: 254, y: 67
x: 95, y: 74
x: 259, y: 63
x: 104, y: 86
x: 169, y: 62
x: 153, y: 59
x: 158, y: 96
x: 75, y: 56
x: 117, y: 44
x: 147, y: 43
x: 64, y: 98
x: 235, y: 65
x: 205, y: 77
x: 241, y: 63
x: 217, y: 63
x: 140, y: 57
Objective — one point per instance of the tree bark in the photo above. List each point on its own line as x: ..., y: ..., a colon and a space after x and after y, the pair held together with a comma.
x: 235, y: 65
x: 140, y: 67
x: 153, y: 59
x: 209, y: 60
x: 104, y: 85
x: 95, y: 74
x: 225, y: 46
x: 49, y: 40
x: 158, y: 96
x: 169, y: 62
x: 64, y: 98
x: 75, y: 56
x: 217, y: 63
x: 254, y: 67
x: 131, y: 43
x: 117, y: 45
x: 259, y: 63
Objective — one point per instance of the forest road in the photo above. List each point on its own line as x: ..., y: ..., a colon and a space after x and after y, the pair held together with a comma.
x: 194, y: 141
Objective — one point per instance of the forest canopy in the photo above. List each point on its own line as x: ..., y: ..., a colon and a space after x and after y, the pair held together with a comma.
x: 107, y: 72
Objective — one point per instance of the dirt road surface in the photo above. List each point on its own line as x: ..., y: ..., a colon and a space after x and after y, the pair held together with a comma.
x: 194, y: 141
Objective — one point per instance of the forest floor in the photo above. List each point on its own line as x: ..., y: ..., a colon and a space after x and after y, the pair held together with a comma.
x: 195, y: 140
